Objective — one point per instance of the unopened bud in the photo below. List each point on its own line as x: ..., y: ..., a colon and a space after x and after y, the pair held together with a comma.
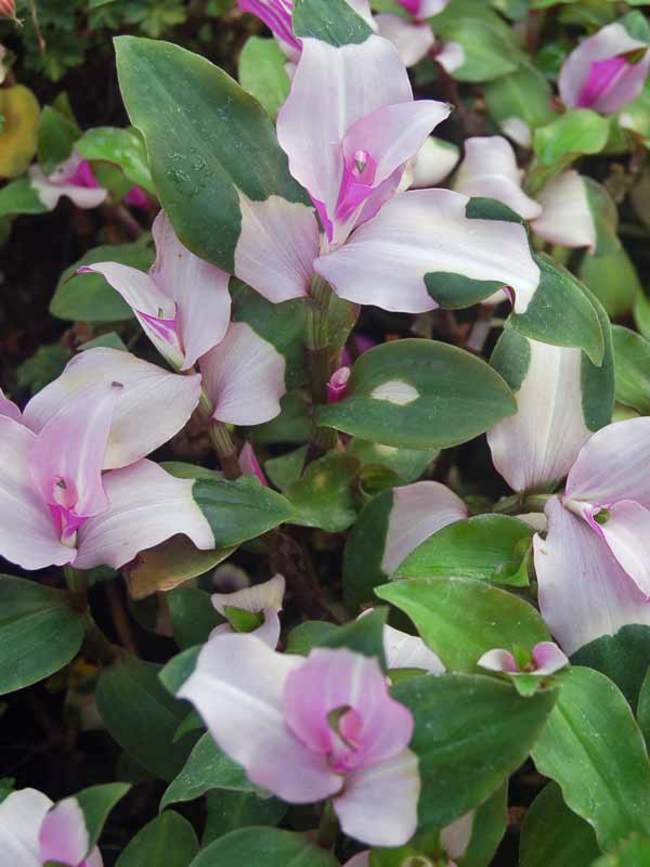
x: 8, y: 9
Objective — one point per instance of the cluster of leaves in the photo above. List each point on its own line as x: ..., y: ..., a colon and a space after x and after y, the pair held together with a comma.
x: 324, y: 519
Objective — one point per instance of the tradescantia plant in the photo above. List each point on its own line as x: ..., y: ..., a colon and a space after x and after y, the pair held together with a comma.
x: 328, y: 514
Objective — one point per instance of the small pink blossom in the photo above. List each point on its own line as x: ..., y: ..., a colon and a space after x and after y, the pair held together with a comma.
x: 338, y: 384
x: 73, y: 179
x: 312, y: 729
x: 545, y: 659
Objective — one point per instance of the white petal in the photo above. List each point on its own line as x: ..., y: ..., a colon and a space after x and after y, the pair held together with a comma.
x: 419, y: 511
x: 21, y: 815
x: 566, y: 216
x: 413, y: 41
x: 538, y: 445
x: 426, y: 231
x: 436, y: 159
x: 154, y: 404
x: 244, y: 377
x: 269, y: 594
x: 409, y: 651
x: 146, y: 506
x: 583, y: 592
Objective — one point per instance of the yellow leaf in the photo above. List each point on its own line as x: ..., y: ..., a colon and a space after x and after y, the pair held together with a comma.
x: 19, y: 138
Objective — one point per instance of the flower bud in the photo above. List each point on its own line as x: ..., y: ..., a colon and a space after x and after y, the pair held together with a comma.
x: 8, y: 9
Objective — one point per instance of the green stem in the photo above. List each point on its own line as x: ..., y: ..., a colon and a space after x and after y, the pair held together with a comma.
x: 519, y: 504
x: 328, y: 829
x: 225, y: 448
x: 96, y: 645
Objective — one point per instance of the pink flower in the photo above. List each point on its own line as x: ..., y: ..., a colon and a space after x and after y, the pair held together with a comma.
x: 606, y: 71
x: 183, y: 305
x: 34, y: 831
x: 138, y: 198
x: 352, y: 156
x: 73, y: 179
x: 312, y: 729
x: 58, y: 505
x: 545, y: 659
x: 250, y: 465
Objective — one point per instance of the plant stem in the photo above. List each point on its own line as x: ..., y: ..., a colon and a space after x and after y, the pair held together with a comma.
x: 328, y: 829
x: 521, y: 503
x: 225, y: 448
x: 96, y: 645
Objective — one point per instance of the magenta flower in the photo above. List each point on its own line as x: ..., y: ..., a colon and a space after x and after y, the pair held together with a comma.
x: 422, y: 9
x: 606, y: 71
x: 312, y: 729
x: 545, y: 659
x: 58, y: 506
x: 138, y: 198
x: 34, y: 832
x: 74, y: 179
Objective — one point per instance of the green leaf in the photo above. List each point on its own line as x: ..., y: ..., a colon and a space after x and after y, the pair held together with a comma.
x: 284, y: 470
x: 283, y: 325
x: 364, y: 552
x: 488, y: 52
x: 44, y: 366
x: 207, y: 141
x: 471, y: 732
x: 264, y: 847
x: 488, y: 828
x: 167, y: 841
x: 632, y: 366
x: 365, y: 635
x: 486, y: 547
x: 88, y: 297
x: 613, y: 279
x: 643, y: 707
x: 594, y: 750
x: 142, y: 716
x: 561, y: 313
x: 634, y: 852
x: 206, y: 768
x: 331, y: 21
x: 623, y: 658
x: 578, y: 131
x: 96, y: 803
x: 313, y: 633
x: 419, y: 394
x: 193, y: 616
x: 525, y: 95
x: 110, y: 340
x: 56, y: 137
x: 460, y: 619
x: 228, y: 810
x: 553, y: 836
x: 40, y: 632
x: 324, y: 497
x: 262, y: 73
x: 407, y: 464
x: 19, y: 197
x: 240, y: 510
x: 178, y: 669
x: 293, y: 425
x: 121, y: 147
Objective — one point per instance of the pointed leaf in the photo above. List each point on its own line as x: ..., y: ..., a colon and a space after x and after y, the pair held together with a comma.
x: 168, y: 841
x: 264, y: 847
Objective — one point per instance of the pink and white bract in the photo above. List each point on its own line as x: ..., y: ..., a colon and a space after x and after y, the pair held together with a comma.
x: 313, y: 729
x: 73, y: 179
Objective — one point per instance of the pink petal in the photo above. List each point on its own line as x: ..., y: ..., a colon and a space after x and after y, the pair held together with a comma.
x: 613, y: 465
x: 255, y: 599
x: 387, y: 138
x: 94, y: 859
x: 456, y: 837
x: 154, y: 309
x: 67, y: 181
x: 577, y: 81
x: 583, y: 592
x: 27, y: 533
x: 419, y: 511
x: 9, y: 408
x: 146, y: 506
x: 346, y: 83
x: 379, y: 804
x: 360, y: 860
x: 337, y: 385
x: 409, y: 651
x: 276, y: 14
x: 199, y: 289
x: 548, y: 658
x: 249, y: 464
x: 68, y: 455
x: 413, y: 41
x: 538, y: 445
x: 627, y: 533
x: 244, y: 377
x: 63, y: 836
x: 451, y: 56
x: 498, y: 660
x: 334, y: 679
x: 138, y: 198
x: 237, y: 687
x: 278, y: 243
x: 21, y: 815
x: 566, y: 217
x: 421, y: 232
x: 490, y: 170
x: 164, y: 400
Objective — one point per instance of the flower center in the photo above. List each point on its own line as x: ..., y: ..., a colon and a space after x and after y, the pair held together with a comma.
x: 62, y: 509
x: 358, y: 177
x: 603, y: 76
